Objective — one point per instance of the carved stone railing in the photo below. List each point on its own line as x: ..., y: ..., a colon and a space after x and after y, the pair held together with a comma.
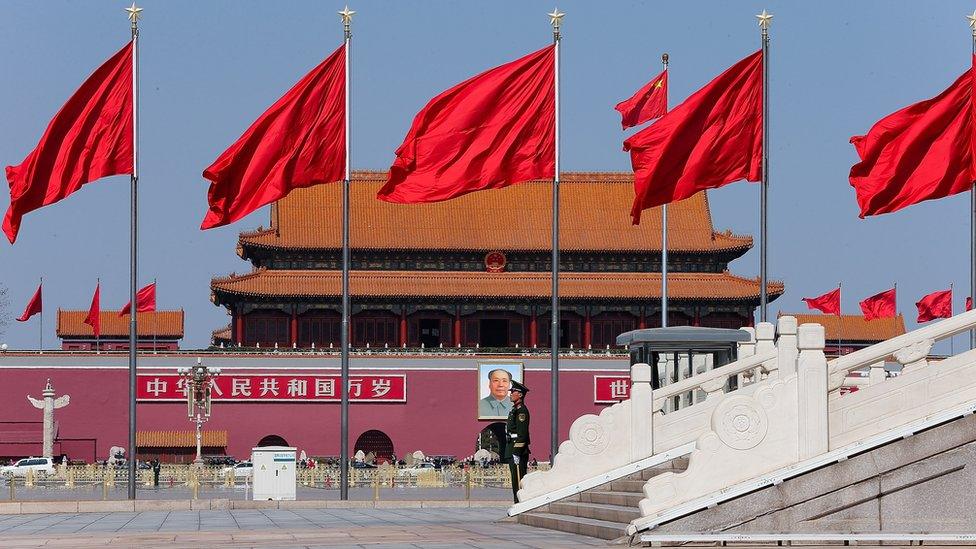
x: 627, y: 432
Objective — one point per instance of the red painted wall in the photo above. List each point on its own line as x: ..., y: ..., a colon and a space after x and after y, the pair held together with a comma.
x: 439, y: 416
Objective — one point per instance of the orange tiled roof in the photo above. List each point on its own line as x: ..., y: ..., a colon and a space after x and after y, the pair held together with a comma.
x: 167, y: 324
x: 180, y: 439
x: 222, y: 334
x: 854, y: 327
x: 580, y: 285
x: 594, y: 215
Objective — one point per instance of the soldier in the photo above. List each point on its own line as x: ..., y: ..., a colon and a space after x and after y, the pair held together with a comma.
x: 517, y: 434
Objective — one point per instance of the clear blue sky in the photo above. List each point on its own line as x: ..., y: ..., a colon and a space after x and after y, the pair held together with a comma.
x: 210, y: 67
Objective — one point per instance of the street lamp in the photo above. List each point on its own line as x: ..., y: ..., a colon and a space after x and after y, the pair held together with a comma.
x: 197, y: 382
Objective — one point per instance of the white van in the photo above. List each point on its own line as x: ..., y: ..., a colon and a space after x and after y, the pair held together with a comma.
x: 43, y: 466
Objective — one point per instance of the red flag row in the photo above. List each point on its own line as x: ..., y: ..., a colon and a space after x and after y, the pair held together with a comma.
x: 145, y: 303
x: 883, y: 304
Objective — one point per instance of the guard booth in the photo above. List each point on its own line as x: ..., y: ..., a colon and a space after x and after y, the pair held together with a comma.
x: 274, y: 472
x: 679, y: 352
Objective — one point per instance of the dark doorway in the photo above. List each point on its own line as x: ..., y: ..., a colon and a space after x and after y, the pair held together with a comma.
x: 491, y: 438
x: 494, y: 332
x: 272, y: 440
x: 376, y: 442
x: 430, y: 332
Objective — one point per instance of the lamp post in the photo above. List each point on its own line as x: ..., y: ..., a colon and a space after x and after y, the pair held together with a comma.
x: 197, y: 383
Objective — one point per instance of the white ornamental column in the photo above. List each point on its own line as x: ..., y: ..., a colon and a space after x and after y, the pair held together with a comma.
x: 49, y: 404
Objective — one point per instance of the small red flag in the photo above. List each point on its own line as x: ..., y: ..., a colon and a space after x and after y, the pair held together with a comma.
x: 828, y: 304
x: 145, y: 301
x: 89, y: 138
x: 935, y: 305
x: 488, y: 132
x: 969, y: 303
x: 33, y: 307
x: 881, y: 305
x: 710, y: 140
x: 921, y: 152
x: 648, y: 103
x: 93, y: 319
x: 298, y: 142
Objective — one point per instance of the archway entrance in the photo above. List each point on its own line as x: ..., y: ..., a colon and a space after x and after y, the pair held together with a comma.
x: 491, y: 438
x: 376, y: 442
x: 272, y: 440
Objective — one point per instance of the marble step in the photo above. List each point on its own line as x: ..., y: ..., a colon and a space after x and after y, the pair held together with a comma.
x: 625, y: 485
x: 630, y: 499
x: 595, y: 528
x: 599, y: 511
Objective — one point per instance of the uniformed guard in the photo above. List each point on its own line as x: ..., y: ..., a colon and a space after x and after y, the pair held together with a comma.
x: 517, y: 435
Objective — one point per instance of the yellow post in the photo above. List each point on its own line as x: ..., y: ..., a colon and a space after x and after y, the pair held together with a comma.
x: 69, y: 481
x: 376, y: 485
x: 467, y: 484
x: 29, y: 478
x: 13, y: 494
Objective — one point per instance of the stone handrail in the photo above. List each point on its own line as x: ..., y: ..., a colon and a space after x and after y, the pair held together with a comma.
x: 713, y: 381
x: 910, y: 349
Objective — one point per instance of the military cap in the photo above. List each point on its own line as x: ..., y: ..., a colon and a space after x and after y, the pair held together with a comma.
x: 516, y: 386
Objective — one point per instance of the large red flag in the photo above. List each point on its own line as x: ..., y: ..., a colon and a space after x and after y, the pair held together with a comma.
x: 33, y: 307
x: 921, y: 152
x: 298, y: 142
x: 648, y: 103
x: 145, y: 301
x: 93, y: 319
x: 881, y: 305
x: 490, y: 131
x: 828, y: 304
x: 710, y: 140
x: 935, y: 305
x: 89, y: 138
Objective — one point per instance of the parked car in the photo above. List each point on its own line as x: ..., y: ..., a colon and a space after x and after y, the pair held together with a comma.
x: 417, y: 469
x: 362, y: 465
x: 43, y: 466
x: 240, y: 470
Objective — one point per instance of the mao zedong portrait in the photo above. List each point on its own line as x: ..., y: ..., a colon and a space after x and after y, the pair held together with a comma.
x: 497, y: 403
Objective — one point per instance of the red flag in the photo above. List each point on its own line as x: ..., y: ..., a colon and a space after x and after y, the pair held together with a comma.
x: 935, y: 305
x: 710, y: 140
x: 648, y: 103
x: 969, y: 303
x: 880, y: 305
x: 93, y: 318
x: 145, y: 301
x: 298, y: 142
x: 89, y: 138
x: 33, y: 307
x: 488, y: 132
x: 828, y: 304
x: 921, y: 152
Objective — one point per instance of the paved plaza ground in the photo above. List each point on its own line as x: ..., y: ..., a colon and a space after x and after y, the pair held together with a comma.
x: 333, y: 528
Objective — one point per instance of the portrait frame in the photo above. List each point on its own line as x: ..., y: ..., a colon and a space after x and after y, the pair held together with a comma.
x: 516, y: 372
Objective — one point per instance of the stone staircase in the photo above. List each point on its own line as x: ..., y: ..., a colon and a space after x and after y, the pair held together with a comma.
x: 603, y: 512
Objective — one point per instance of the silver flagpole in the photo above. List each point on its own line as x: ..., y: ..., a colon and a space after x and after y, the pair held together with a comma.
x: 972, y: 214
x: 764, y: 21
x: 40, y: 339
x: 346, y: 15
x: 664, y: 240
x: 134, y: 14
x: 555, y: 19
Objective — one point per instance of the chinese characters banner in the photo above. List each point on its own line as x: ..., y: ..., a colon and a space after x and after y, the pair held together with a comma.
x: 279, y: 388
x: 610, y: 389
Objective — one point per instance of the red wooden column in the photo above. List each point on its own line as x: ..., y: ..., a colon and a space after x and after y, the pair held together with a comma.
x: 403, y: 327
x: 587, y: 330
x: 294, y: 327
x: 533, y: 330
x: 457, y: 326
x: 697, y: 320
x: 239, y: 327
x: 642, y: 321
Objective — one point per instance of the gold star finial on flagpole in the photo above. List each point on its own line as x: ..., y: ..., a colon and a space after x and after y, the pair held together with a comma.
x: 556, y: 18
x: 764, y: 20
x: 346, y: 15
x: 134, y: 13
x: 972, y: 20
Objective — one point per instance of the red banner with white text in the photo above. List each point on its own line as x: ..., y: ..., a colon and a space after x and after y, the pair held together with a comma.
x: 278, y: 388
x: 610, y: 389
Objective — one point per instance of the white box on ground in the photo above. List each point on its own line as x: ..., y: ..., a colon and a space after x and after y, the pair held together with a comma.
x: 274, y: 472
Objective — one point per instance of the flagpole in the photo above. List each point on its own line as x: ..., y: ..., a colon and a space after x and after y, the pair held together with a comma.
x: 555, y: 19
x: 972, y: 212
x: 155, y: 317
x: 840, y: 314
x: 133, y: 14
x: 664, y: 238
x: 346, y: 15
x: 40, y: 339
x: 764, y: 21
